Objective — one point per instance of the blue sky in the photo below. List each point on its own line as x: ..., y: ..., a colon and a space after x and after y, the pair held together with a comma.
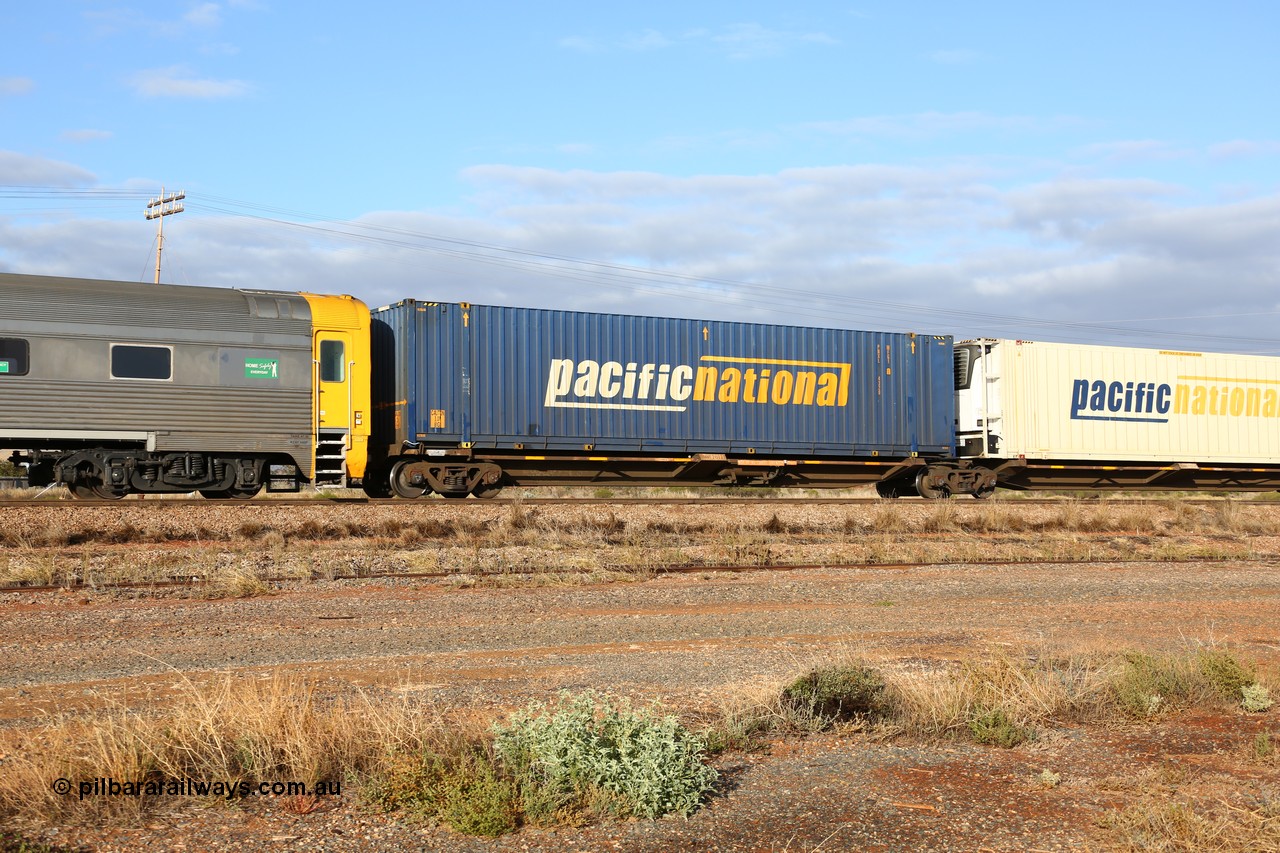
x: 1098, y: 172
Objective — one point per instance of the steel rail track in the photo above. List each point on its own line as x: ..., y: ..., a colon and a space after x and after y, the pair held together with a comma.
x: 676, y: 569
x: 717, y: 501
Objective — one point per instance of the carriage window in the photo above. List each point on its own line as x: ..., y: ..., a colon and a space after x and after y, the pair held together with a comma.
x: 14, y: 357
x: 137, y: 362
x: 332, y: 366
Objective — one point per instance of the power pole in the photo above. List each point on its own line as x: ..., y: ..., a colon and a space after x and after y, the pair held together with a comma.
x: 158, y: 209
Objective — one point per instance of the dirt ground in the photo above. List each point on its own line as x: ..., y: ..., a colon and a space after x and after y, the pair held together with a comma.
x: 691, y: 641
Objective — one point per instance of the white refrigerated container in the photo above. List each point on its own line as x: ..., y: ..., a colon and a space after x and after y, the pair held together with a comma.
x: 1051, y: 401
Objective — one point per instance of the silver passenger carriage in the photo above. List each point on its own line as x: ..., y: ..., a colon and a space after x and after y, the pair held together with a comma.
x: 115, y: 387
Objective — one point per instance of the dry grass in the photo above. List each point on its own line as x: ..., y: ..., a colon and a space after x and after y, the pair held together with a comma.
x: 285, y: 728
x: 518, y: 524
x: 1023, y: 692
x: 1004, y: 698
x: 1157, y: 825
x: 748, y: 716
x: 235, y: 582
x: 598, y: 548
x: 235, y: 730
x: 516, y: 539
x: 1264, y: 749
x: 464, y: 770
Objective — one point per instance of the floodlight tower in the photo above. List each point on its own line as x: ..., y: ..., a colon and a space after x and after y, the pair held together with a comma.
x: 158, y: 209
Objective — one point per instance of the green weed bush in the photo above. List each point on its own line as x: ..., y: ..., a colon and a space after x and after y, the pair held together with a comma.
x: 994, y: 726
x: 588, y: 750
x: 560, y: 763
x: 1147, y: 685
x: 1225, y: 675
x: 1255, y: 698
x: 836, y: 692
x: 456, y: 783
x: 1264, y: 749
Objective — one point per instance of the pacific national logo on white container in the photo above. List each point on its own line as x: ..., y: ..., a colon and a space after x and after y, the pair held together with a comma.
x: 1155, y: 402
x: 653, y: 387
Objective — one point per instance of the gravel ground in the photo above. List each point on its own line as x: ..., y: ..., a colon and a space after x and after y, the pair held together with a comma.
x: 692, y: 641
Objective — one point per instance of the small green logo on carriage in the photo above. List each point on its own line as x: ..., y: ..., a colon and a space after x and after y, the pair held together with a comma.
x: 4, y: 367
x: 261, y: 368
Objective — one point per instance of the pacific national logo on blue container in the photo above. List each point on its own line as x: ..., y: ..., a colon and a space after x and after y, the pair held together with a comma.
x: 651, y: 387
x: 1155, y: 402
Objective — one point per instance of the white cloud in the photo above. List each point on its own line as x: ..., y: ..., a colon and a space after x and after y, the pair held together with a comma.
x: 1212, y: 235
x: 741, y: 41
x: 85, y: 135
x: 219, y: 49
x: 198, y: 17
x: 179, y: 81
x: 16, y: 86
x: 1134, y: 151
x: 1082, y: 279
x: 204, y: 15
x: 753, y: 41
x: 928, y: 125
x: 647, y: 40
x: 24, y: 170
x: 1245, y: 148
x: 582, y: 44
x: 1070, y: 209
x: 938, y: 249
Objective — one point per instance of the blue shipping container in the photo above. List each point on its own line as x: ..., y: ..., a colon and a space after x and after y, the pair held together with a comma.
x: 493, y: 377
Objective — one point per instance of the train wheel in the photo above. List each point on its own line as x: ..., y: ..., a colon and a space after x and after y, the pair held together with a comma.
x: 983, y: 494
x: 108, y: 493
x: 486, y: 493
x: 400, y: 482
x: 81, y: 492
x: 929, y: 491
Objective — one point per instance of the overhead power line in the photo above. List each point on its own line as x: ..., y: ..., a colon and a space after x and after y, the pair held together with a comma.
x: 630, y: 277
x: 10, y: 191
x: 637, y: 277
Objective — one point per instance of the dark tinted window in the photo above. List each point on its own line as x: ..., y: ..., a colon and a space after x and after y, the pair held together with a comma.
x: 135, y: 362
x: 14, y: 357
x: 332, y: 366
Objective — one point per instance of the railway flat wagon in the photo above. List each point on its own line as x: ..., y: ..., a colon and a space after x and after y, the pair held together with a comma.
x: 1050, y: 415
x: 119, y: 387
x: 481, y: 396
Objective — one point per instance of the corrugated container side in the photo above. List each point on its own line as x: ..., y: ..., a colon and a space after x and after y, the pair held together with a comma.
x: 1067, y: 401
x: 564, y: 380
x: 386, y: 381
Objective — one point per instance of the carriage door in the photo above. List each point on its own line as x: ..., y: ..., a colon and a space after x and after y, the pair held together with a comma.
x: 334, y: 367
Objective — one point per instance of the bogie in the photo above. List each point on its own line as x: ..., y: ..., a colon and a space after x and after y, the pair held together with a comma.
x: 113, y: 473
